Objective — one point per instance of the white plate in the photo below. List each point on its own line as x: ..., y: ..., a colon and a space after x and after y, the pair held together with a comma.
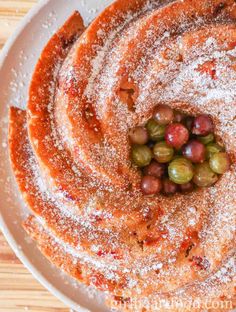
x: 17, y: 63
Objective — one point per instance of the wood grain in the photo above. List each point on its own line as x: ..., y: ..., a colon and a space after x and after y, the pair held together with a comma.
x: 19, y: 291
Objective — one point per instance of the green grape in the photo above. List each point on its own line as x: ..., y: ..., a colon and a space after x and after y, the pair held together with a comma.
x: 220, y: 163
x: 163, y: 153
x: 156, y: 132
x: 204, y: 176
x: 213, y: 148
x: 180, y: 170
x: 141, y: 155
x: 206, y: 139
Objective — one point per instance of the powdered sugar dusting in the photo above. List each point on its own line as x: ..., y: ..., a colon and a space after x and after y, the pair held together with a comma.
x: 79, y: 176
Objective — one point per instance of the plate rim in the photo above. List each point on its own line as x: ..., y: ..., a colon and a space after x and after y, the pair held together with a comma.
x: 3, y: 226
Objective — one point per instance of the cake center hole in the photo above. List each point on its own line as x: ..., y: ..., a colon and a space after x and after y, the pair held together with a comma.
x: 176, y: 152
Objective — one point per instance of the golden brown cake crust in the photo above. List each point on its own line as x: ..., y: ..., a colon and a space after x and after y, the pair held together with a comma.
x: 71, y: 154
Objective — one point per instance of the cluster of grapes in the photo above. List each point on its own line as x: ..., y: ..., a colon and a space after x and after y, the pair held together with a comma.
x: 177, y: 152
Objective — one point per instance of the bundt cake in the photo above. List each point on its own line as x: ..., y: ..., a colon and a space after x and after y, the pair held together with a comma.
x: 71, y: 153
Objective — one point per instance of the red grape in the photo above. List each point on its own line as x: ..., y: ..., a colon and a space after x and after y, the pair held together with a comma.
x: 195, y: 151
x: 202, y: 125
x: 139, y: 135
x: 163, y: 114
x: 178, y: 116
x: 189, y: 123
x: 155, y: 169
x: 187, y: 187
x: 176, y: 135
x: 169, y: 187
x: 150, y: 185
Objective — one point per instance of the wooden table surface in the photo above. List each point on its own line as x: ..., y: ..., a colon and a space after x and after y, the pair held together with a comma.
x: 19, y: 291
